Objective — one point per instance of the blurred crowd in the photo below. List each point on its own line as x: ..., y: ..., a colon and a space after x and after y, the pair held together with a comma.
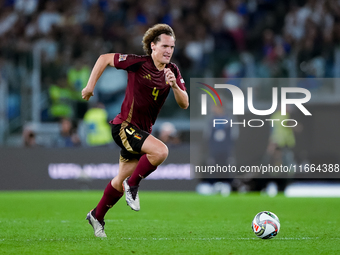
x: 216, y: 38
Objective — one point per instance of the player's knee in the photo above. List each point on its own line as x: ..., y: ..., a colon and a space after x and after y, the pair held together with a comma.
x: 161, y: 154
x: 164, y: 153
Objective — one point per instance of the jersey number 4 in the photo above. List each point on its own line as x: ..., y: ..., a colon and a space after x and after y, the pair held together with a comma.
x: 155, y: 93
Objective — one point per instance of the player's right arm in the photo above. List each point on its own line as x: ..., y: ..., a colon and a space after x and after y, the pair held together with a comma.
x: 102, y: 62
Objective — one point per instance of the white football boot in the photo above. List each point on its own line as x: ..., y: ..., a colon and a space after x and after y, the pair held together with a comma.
x: 98, y: 227
x: 131, y: 195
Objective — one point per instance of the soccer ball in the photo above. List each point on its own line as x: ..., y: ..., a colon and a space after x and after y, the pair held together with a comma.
x: 266, y: 225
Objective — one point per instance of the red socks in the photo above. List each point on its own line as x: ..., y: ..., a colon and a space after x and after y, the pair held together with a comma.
x: 143, y: 169
x: 110, y: 197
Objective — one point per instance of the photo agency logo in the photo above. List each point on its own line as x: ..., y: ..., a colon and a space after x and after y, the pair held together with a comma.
x: 238, y: 100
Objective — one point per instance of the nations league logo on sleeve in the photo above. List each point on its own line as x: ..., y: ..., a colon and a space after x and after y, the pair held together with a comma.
x: 122, y: 58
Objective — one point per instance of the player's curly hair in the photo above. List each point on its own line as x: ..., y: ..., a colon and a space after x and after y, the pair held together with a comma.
x: 153, y: 35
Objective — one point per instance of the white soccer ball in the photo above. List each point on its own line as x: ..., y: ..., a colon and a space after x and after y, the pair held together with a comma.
x: 266, y: 225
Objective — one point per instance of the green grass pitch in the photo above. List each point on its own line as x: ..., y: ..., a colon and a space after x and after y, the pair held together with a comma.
x: 168, y: 223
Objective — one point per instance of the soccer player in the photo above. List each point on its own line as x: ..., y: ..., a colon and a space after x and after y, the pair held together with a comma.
x: 150, y: 79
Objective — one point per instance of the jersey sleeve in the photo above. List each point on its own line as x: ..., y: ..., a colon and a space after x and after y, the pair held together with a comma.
x: 124, y: 61
x: 179, y: 79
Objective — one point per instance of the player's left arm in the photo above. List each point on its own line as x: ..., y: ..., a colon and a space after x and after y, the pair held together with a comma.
x: 181, y: 96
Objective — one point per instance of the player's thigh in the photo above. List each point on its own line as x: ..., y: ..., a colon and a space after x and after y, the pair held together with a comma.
x: 152, y: 145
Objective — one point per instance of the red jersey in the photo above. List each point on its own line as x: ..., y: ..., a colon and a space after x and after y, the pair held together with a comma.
x: 146, y: 90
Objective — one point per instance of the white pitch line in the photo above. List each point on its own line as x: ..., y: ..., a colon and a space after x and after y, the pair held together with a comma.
x: 222, y: 238
x: 174, y: 239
